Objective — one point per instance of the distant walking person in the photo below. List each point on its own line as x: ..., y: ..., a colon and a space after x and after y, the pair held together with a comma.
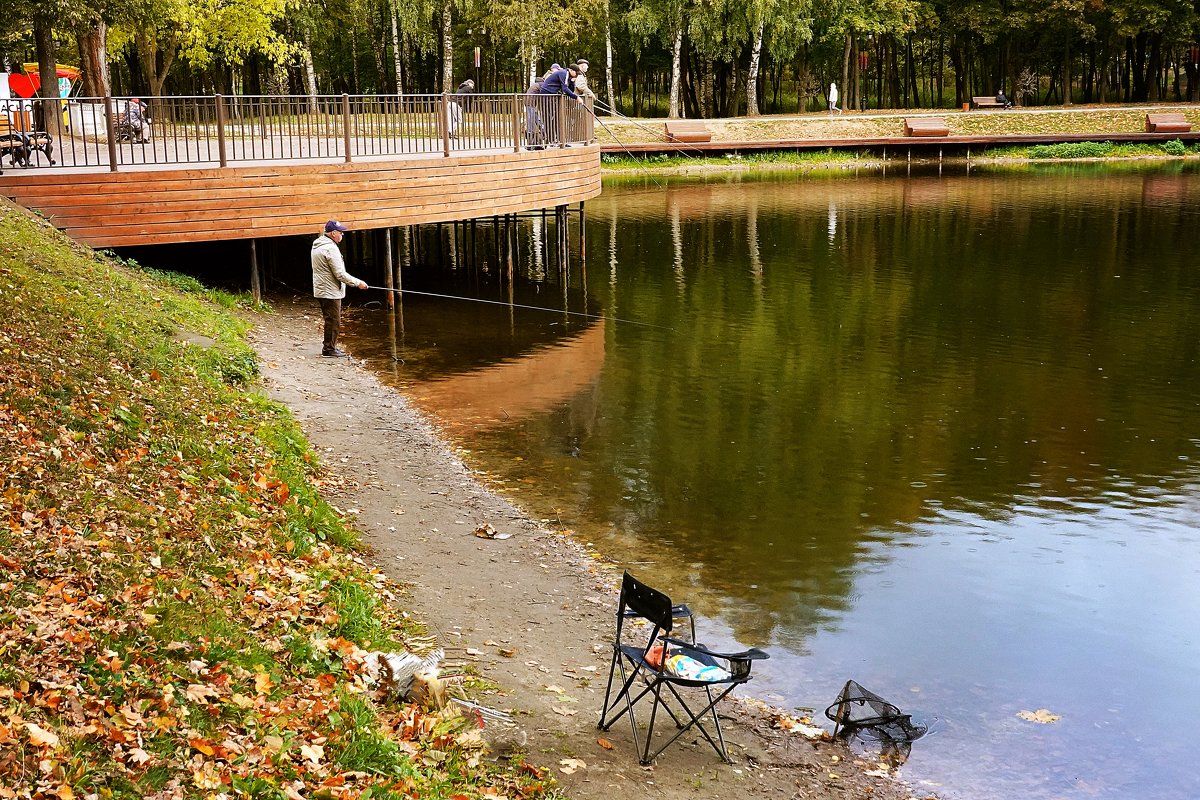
x: 833, y: 98
x: 330, y: 280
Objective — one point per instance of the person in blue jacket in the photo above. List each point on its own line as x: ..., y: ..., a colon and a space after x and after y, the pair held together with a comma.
x: 560, y: 81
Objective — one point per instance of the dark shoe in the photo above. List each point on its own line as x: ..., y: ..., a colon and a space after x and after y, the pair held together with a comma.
x: 337, y: 353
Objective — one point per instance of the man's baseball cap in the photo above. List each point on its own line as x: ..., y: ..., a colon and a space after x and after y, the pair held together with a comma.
x: 334, y: 225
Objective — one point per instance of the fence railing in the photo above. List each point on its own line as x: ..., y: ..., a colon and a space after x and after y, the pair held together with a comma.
x: 223, y: 130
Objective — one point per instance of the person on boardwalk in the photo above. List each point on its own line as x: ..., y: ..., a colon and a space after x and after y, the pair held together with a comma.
x: 330, y: 280
x: 581, y: 82
x: 535, y: 133
x: 465, y: 88
x: 833, y: 98
x: 579, y: 114
x: 560, y: 81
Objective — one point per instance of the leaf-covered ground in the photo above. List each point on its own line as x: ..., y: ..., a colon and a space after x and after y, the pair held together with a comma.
x: 181, y: 615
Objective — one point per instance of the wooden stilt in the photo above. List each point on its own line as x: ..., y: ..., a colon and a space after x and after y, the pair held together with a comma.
x: 387, y: 268
x: 255, y: 283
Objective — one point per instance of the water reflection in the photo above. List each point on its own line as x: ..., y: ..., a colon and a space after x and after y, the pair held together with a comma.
x: 935, y: 433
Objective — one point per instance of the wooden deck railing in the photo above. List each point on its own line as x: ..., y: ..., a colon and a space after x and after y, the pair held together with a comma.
x: 224, y: 130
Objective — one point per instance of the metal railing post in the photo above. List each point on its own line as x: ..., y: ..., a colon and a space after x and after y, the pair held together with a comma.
x: 562, y: 120
x: 445, y: 115
x: 516, y: 123
x: 110, y: 127
x: 346, y: 124
x: 221, y: 156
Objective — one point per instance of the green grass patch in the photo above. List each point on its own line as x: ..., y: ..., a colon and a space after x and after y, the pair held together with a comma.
x: 167, y: 556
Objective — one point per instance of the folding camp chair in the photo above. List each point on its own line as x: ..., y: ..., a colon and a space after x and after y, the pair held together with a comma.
x: 664, y: 661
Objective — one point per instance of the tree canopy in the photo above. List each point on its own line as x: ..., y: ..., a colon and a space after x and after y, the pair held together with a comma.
x: 685, y: 57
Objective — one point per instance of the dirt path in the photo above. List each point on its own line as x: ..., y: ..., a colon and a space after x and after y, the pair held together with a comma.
x: 533, y: 612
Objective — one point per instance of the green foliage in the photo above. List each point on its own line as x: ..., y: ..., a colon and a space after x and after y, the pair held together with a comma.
x: 1071, y: 150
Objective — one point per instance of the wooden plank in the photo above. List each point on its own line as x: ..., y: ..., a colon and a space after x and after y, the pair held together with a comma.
x: 184, y: 193
x: 243, y: 203
x: 363, y: 202
x: 217, y: 178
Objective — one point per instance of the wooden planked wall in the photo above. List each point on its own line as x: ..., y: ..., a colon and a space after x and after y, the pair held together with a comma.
x: 158, y: 206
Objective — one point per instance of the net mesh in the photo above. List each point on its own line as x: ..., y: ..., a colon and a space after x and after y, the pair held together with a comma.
x: 861, y: 711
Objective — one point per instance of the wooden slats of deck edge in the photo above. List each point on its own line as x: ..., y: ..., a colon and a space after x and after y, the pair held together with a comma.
x: 161, y: 206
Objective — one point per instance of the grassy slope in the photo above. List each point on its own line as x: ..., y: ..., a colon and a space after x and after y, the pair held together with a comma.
x: 181, y: 615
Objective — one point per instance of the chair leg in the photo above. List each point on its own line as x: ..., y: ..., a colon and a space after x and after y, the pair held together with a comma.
x: 607, y: 722
x: 646, y: 757
x: 718, y: 744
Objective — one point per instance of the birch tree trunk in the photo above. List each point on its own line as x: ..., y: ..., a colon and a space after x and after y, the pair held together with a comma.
x: 396, y: 54
x: 310, y: 74
x: 676, y: 70
x: 533, y: 59
x: 448, y: 46
x: 752, y: 73
x: 608, y: 61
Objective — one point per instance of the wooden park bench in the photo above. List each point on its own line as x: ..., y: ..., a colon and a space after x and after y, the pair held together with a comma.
x: 687, y: 130
x: 1167, y: 123
x: 926, y: 126
x: 19, y: 143
x: 986, y: 102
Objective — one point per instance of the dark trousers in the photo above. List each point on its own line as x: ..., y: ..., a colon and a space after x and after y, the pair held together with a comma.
x: 331, y: 310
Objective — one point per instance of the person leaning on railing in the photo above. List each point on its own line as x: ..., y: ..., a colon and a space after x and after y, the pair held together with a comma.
x: 580, y: 114
x: 560, y: 81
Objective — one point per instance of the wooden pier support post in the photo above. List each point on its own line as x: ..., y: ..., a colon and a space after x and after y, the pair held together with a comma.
x: 387, y: 267
x: 255, y: 283
x: 582, y: 236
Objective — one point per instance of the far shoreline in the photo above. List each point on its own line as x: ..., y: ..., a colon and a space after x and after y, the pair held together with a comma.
x: 692, y: 165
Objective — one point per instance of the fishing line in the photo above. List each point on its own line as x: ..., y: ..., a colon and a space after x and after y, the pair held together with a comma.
x: 696, y: 151
x: 519, y: 305
x: 635, y: 159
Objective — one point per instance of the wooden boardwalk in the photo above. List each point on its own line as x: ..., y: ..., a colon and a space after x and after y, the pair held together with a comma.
x: 245, y: 167
x: 157, y: 204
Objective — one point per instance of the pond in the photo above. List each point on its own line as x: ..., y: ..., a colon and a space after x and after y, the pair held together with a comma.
x: 936, y: 431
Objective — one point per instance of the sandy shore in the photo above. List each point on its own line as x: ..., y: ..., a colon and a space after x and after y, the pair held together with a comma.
x: 532, y: 614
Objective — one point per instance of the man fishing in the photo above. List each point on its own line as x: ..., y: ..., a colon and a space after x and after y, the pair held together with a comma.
x: 330, y: 280
x: 560, y: 81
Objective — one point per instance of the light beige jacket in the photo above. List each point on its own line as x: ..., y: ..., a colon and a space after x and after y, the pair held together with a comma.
x: 329, y: 271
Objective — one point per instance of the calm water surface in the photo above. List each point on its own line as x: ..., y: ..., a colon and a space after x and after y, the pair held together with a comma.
x: 936, y: 433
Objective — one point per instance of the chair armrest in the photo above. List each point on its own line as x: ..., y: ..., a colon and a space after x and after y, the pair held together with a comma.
x: 753, y: 654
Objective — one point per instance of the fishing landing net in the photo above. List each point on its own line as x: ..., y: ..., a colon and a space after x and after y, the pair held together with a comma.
x: 862, y: 712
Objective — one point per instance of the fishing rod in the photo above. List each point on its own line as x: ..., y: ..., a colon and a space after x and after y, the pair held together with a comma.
x: 519, y: 305
x: 649, y: 175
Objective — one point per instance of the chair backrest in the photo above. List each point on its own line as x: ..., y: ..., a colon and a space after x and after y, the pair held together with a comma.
x: 645, y: 602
